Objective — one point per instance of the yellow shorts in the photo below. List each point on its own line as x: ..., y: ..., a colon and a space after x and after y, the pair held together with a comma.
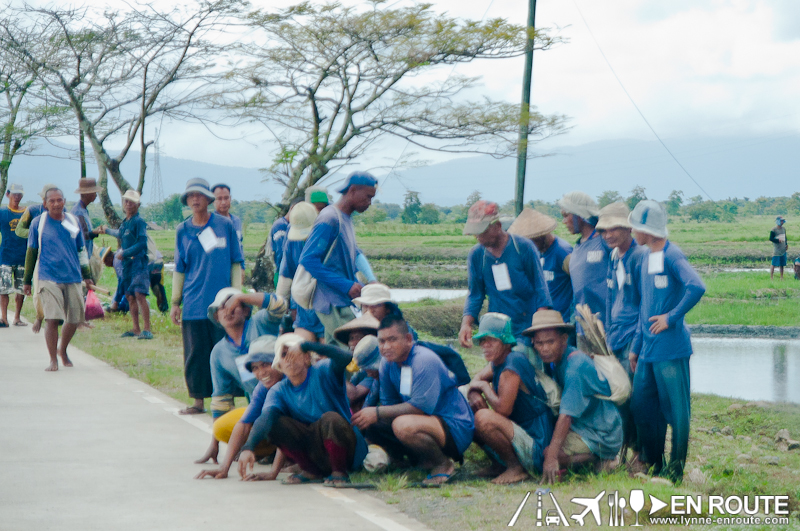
x: 574, y: 445
x: 223, y: 428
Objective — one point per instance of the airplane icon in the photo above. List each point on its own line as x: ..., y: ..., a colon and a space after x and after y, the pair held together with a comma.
x: 591, y: 504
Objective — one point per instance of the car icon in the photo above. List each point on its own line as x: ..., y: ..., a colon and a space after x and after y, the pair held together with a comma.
x: 552, y: 518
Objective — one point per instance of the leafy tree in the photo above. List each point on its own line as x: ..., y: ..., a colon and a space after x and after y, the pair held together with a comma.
x: 168, y: 212
x: 674, y: 202
x: 429, y: 214
x: 412, y: 207
x: 473, y: 198
x: 637, y: 195
x: 608, y: 197
x: 696, y: 199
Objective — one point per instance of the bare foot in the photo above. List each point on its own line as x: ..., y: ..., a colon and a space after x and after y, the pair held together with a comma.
x: 52, y: 367
x: 65, y: 360
x: 608, y: 465
x: 510, y: 476
x: 441, y: 474
x: 37, y: 325
x: 491, y: 471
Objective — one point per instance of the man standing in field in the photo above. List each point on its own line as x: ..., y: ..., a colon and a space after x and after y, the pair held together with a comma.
x: 222, y: 206
x: 779, y: 246
x: 12, y: 256
x: 504, y: 267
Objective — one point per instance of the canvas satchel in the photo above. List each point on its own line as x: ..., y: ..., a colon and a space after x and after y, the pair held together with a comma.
x: 304, y: 286
x: 610, y: 369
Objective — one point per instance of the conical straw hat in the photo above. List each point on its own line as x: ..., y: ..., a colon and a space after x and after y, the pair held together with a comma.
x: 532, y: 224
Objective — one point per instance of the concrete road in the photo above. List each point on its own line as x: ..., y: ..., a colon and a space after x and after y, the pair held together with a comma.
x: 89, y: 448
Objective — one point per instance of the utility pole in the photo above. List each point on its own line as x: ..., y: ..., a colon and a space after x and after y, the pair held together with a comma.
x: 522, y: 149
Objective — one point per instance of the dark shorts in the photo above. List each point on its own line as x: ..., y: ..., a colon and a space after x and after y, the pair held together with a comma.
x: 136, y: 277
x: 382, y: 434
x: 199, y: 337
x: 779, y: 261
x: 450, y: 449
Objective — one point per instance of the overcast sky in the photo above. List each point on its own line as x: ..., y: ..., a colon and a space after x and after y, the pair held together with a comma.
x: 694, y: 67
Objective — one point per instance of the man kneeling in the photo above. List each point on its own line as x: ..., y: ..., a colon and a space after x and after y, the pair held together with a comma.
x: 421, y: 413
x: 518, y: 428
x: 307, y: 415
x: 588, y: 429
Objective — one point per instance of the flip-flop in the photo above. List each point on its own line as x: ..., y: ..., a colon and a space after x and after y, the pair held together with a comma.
x: 3, y: 324
x: 191, y: 410
x: 20, y: 323
x: 129, y: 333
x: 432, y: 485
x: 357, y: 486
x: 300, y: 480
x: 332, y: 481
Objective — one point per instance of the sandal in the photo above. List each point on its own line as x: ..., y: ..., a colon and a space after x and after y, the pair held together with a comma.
x: 146, y: 335
x: 191, y: 410
x: 300, y: 479
x: 3, y: 324
x: 335, y: 481
x: 129, y: 333
x: 20, y: 323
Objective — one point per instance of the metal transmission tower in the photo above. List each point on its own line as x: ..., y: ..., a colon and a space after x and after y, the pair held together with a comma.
x: 157, y: 191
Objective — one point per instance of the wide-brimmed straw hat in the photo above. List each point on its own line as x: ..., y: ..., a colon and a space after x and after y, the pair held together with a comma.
x: 580, y: 204
x: 47, y: 187
x: 301, y: 219
x: 546, y: 319
x: 286, y: 340
x: 367, y: 354
x: 133, y: 196
x: 222, y: 297
x: 650, y: 217
x: 367, y: 323
x: 613, y: 216
x: 86, y: 186
x: 198, y: 185
x: 532, y: 224
x: 373, y: 294
x: 103, y: 253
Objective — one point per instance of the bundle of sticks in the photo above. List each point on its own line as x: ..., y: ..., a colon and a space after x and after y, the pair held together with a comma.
x: 593, y: 331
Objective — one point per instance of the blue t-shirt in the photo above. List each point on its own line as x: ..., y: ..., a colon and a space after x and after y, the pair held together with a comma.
x: 277, y: 237
x: 674, y: 290
x: 239, y: 228
x: 530, y: 412
x: 133, y: 238
x: 336, y: 276
x: 58, y: 257
x: 206, y: 272
x: 597, y: 421
x: 558, y: 281
x: 527, y: 292
x: 228, y: 374
x: 80, y: 212
x: 588, y: 267
x: 12, y: 247
x: 622, y: 306
x: 433, y: 391
x: 257, y: 399
x: 321, y: 392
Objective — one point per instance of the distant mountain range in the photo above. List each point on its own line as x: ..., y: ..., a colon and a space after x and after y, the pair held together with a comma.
x: 723, y: 166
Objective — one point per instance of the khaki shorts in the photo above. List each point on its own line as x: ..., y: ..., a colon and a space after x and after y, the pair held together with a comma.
x: 574, y: 445
x: 61, y: 301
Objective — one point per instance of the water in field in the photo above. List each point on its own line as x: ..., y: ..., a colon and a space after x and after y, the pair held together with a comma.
x: 413, y: 295
x: 749, y: 369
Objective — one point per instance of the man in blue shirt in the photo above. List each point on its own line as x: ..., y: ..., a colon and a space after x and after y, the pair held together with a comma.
x: 23, y: 230
x: 135, y: 270
x: 207, y: 259
x: 12, y: 256
x: 588, y: 263
x: 88, y: 190
x: 518, y: 427
x: 56, y: 243
x: 331, y: 252
x: 421, y: 413
x: 554, y: 251
x: 307, y: 415
x: 222, y: 206
x: 659, y: 357
x: 506, y: 268
x: 589, y: 428
x: 277, y: 238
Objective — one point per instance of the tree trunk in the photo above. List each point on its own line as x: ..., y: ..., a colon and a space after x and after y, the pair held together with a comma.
x: 105, y: 201
x: 263, y: 277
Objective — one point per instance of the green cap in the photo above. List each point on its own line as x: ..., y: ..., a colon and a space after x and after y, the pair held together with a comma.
x: 496, y: 325
x: 318, y: 196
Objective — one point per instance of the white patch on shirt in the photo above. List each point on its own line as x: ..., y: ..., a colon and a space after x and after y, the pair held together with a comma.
x: 610, y: 283
x: 222, y: 243
x: 661, y: 281
x: 549, y: 276
x: 594, y: 257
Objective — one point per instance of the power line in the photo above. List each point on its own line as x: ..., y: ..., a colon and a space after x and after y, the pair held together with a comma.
x: 634, y: 103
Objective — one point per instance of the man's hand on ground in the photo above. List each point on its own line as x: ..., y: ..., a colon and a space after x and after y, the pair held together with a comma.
x: 219, y: 473
x: 175, y: 315
x: 365, y: 418
x: 247, y: 461
x: 263, y: 476
x: 550, y: 469
x: 211, y: 453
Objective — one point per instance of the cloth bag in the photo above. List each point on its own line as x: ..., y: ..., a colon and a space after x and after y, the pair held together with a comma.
x: 304, y: 286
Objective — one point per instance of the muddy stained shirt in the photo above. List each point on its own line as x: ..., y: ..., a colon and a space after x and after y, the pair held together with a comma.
x: 588, y: 268
x: 622, y: 308
x: 558, y: 281
x: 12, y: 247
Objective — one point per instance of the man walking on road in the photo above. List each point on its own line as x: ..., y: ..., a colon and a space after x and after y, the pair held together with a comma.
x: 12, y: 256
x: 207, y: 259
x: 779, y: 246
x: 56, y: 242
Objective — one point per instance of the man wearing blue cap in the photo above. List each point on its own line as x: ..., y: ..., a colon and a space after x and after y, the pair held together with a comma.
x: 779, y: 246
x: 207, y: 259
x: 12, y: 255
x: 330, y: 253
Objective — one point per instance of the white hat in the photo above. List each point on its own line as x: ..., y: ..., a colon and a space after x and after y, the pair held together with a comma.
x: 373, y: 294
x: 580, y: 204
x: 15, y: 188
x: 301, y: 219
x: 222, y: 297
x: 132, y: 195
x: 649, y: 217
x: 286, y: 340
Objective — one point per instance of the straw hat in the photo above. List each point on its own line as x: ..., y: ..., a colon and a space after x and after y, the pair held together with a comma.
x: 286, y: 340
x: 103, y: 253
x: 133, y: 196
x: 546, y: 319
x: 614, y: 216
x: 374, y: 294
x: 46, y: 188
x: 87, y: 186
x: 532, y: 224
x: 649, y: 216
x: 580, y: 204
x: 301, y: 219
x: 366, y: 323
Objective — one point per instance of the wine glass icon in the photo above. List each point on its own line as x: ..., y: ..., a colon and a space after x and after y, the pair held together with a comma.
x: 636, y: 503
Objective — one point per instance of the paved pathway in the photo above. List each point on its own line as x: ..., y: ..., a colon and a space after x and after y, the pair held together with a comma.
x: 90, y: 448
